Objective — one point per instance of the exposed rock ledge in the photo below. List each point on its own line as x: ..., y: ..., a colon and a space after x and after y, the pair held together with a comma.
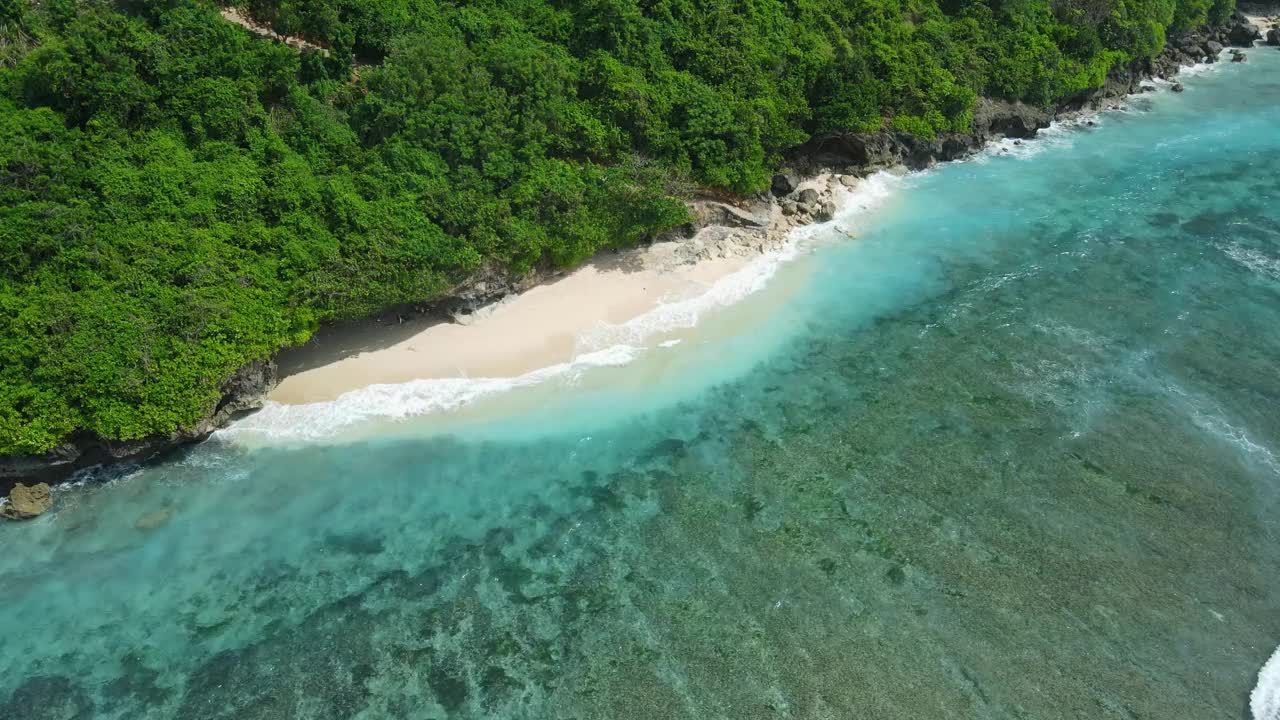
x: 241, y: 392
x: 801, y: 193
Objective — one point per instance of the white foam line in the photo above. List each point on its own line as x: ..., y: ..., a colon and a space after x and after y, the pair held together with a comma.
x: 1058, y: 135
x: 684, y: 314
x: 316, y: 421
x: 1203, y: 68
x: 1217, y: 425
x: 1254, y: 260
x: 1264, y: 701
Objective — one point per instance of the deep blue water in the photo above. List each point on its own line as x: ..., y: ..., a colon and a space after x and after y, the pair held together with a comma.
x: 1011, y: 451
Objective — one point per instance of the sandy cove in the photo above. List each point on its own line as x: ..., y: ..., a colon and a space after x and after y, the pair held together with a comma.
x: 538, y: 328
x: 555, y: 321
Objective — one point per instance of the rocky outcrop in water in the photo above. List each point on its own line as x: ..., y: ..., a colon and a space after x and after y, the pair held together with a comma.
x: 26, y: 502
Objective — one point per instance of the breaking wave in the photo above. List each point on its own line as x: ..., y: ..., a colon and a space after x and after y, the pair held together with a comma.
x: 1264, y: 702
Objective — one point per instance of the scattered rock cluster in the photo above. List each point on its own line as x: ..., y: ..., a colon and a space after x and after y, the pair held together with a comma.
x: 804, y: 204
x: 757, y: 224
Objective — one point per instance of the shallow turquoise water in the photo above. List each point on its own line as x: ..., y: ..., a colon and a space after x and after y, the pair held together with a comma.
x: 1013, y: 452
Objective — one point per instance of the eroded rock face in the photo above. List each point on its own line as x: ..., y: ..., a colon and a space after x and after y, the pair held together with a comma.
x: 26, y: 502
x: 1243, y: 34
x: 1005, y: 119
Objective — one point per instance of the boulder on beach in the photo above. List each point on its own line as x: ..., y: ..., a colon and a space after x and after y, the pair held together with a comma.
x: 825, y: 211
x: 807, y: 199
x: 783, y: 184
x: 27, y: 502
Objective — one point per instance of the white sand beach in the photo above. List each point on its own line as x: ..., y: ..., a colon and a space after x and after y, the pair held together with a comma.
x: 541, y: 327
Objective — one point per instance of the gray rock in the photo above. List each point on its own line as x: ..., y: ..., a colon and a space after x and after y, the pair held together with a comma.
x: 826, y: 210
x: 1177, y: 87
x: 27, y: 502
x: 1243, y: 34
x: 1239, y: 57
x: 848, y: 181
x: 1005, y: 119
x: 1190, y: 43
x: 1273, y: 37
x: 784, y: 184
x: 1212, y: 48
x: 707, y: 213
x: 807, y: 199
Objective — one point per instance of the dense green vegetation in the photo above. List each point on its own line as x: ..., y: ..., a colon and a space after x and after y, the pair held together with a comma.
x: 178, y: 197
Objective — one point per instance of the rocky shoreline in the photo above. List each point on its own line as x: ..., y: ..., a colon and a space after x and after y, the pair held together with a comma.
x: 801, y: 193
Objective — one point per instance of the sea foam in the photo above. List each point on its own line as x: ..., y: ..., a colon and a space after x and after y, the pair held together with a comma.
x: 1264, y: 702
x: 1254, y: 260
x: 1058, y: 134
x: 316, y: 421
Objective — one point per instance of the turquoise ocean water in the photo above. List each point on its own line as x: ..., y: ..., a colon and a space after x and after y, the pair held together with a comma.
x: 1011, y: 451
